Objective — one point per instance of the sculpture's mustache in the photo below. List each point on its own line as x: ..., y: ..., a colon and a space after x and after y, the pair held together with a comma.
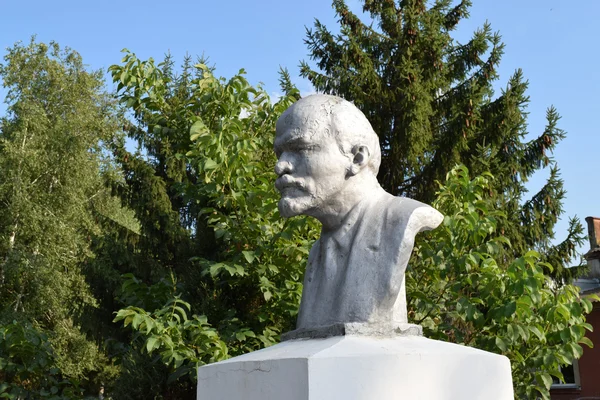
x: 286, y: 181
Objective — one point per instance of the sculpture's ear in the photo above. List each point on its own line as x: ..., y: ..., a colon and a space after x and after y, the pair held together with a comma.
x: 361, y: 154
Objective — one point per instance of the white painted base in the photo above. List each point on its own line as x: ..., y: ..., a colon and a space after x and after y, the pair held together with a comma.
x: 359, y: 368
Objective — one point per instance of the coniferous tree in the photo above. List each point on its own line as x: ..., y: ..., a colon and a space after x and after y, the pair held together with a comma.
x: 431, y: 101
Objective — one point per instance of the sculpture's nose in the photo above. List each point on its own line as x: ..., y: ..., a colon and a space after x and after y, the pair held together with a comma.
x: 283, y: 167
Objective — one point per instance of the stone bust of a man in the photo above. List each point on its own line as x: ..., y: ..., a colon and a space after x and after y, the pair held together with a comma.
x: 328, y: 159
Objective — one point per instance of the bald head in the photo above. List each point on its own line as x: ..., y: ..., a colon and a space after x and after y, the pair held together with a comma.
x: 321, y: 115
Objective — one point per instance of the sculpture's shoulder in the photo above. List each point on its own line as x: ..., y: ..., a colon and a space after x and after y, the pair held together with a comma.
x: 417, y: 216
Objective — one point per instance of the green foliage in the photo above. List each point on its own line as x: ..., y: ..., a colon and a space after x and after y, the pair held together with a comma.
x: 50, y: 175
x: 232, y: 151
x: 27, y: 366
x: 183, y: 344
x: 431, y: 101
x: 465, y: 286
x: 203, y: 192
x: 51, y: 161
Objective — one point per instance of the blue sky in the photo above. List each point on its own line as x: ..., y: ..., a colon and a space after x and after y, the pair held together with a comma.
x: 554, y: 42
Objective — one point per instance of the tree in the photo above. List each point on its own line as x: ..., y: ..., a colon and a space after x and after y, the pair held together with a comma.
x: 430, y: 99
x: 28, y: 367
x: 50, y: 158
x: 467, y: 287
x: 203, y: 191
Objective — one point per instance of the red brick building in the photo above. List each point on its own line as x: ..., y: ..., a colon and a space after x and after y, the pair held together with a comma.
x: 583, y: 379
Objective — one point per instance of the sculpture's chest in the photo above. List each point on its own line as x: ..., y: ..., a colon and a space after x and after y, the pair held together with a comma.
x: 353, y: 279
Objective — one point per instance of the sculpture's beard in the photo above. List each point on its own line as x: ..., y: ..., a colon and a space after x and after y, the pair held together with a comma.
x: 296, y: 198
x: 295, y: 201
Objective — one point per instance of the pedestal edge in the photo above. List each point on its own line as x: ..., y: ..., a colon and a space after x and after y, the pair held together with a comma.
x: 354, y: 329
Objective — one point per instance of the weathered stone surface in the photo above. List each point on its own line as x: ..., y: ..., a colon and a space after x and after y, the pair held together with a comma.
x: 359, y: 368
x: 328, y: 158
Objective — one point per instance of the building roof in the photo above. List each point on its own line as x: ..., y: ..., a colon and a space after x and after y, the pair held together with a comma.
x: 593, y: 254
x: 588, y: 285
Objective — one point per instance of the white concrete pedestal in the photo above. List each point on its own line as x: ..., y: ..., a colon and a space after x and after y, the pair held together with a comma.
x: 358, y: 367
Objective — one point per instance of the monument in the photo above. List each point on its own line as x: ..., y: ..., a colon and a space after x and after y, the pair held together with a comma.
x: 328, y: 159
x: 352, y: 339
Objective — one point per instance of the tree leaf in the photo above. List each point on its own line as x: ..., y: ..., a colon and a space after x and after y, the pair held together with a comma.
x: 249, y: 256
x: 501, y: 344
x: 153, y: 342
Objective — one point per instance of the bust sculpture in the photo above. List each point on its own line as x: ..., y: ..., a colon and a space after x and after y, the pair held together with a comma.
x: 328, y: 159
x: 353, y: 299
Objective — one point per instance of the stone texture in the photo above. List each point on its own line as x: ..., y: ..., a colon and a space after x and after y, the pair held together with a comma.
x: 359, y: 368
x: 328, y: 158
x: 355, y: 328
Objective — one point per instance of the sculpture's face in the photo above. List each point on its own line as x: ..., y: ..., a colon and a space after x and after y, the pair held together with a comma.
x: 311, y: 171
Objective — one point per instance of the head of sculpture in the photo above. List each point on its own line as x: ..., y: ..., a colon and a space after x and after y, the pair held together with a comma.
x: 326, y: 150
